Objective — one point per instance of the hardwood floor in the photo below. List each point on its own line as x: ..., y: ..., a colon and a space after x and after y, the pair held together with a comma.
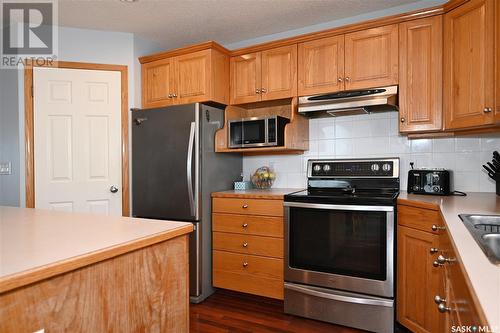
x: 231, y: 312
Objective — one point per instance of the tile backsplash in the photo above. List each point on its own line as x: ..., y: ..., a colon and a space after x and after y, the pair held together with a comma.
x: 377, y: 135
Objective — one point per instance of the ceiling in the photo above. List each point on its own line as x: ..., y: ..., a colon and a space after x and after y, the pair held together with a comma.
x: 174, y: 23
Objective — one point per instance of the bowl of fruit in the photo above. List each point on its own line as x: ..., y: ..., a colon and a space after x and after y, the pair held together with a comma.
x: 263, y: 177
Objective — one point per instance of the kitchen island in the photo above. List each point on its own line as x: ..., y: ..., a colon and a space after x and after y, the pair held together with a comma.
x: 65, y: 272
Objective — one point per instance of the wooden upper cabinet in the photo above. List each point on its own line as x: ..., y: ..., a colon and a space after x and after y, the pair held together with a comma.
x: 263, y: 76
x: 157, y: 83
x: 192, y: 73
x: 245, y: 78
x: 279, y: 72
x: 418, y: 281
x: 469, y: 51
x: 371, y: 58
x: 420, y: 75
x: 321, y: 66
x: 187, y: 78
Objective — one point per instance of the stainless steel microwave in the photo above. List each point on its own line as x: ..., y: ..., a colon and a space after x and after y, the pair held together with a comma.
x: 257, y: 132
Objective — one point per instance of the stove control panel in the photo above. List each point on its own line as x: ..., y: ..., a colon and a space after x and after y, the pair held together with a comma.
x: 369, y: 168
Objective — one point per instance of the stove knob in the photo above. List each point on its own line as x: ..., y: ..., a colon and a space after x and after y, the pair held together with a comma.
x: 436, y: 188
x: 375, y: 167
x: 317, y: 168
x: 386, y: 167
x: 326, y: 168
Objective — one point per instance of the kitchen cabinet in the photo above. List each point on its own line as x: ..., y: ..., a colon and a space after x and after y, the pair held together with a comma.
x: 418, y: 280
x: 186, y: 78
x: 371, y: 58
x: 420, y: 75
x: 321, y: 66
x: 265, y: 75
x: 247, y: 242
x: 469, y: 69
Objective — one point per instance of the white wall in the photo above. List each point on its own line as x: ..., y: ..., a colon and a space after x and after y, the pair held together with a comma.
x: 377, y: 135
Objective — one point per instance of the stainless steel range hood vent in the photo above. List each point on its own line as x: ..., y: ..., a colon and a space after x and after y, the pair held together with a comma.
x: 352, y: 102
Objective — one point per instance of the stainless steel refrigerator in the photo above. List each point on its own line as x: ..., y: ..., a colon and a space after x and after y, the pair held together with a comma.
x: 174, y: 171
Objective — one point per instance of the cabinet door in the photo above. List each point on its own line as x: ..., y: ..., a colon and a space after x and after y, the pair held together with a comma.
x: 245, y: 78
x: 192, y: 73
x: 371, y: 58
x: 418, y: 281
x: 420, y: 75
x: 157, y: 83
x: 321, y: 66
x: 279, y: 73
x: 468, y: 65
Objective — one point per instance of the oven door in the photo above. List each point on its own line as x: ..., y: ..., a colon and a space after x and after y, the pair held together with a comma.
x: 344, y: 247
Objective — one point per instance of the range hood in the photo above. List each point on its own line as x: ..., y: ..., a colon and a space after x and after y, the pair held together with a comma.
x: 351, y: 102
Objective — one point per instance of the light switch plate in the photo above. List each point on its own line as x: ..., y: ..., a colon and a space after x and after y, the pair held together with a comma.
x: 5, y: 168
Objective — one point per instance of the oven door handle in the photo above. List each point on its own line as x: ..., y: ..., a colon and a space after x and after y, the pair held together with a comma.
x: 340, y: 207
x: 341, y: 298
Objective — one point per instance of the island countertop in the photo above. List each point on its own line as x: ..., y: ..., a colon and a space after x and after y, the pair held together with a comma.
x: 36, y: 244
x: 484, y: 276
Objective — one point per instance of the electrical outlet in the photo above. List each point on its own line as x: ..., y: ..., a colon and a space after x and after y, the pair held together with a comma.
x: 5, y: 168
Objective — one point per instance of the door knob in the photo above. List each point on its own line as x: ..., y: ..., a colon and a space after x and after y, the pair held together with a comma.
x: 347, y: 79
x: 340, y: 79
x: 403, y: 120
x: 433, y: 250
x: 245, y: 244
x: 487, y: 110
x: 443, y: 308
x: 113, y: 189
x: 263, y: 90
x: 438, y: 300
x: 257, y: 91
x: 436, y: 228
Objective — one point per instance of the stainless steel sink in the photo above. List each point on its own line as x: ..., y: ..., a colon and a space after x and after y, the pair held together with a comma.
x: 486, y: 231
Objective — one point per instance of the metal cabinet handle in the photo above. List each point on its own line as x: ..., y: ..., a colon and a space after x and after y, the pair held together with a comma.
x: 436, y: 228
x: 170, y: 95
x: 403, y: 120
x: 113, y: 189
x: 263, y: 90
x: 174, y: 95
x: 438, y: 299
x: 245, y: 206
x: 340, y: 79
x: 245, y: 244
x: 244, y: 225
x: 433, y: 250
x: 443, y: 260
x: 245, y: 264
x: 189, y: 168
x: 443, y: 308
x: 257, y: 91
x: 436, y: 264
x: 487, y: 110
x: 347, y: 79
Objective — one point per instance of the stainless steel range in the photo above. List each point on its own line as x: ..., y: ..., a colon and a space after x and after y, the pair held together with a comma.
x: 339, y: 243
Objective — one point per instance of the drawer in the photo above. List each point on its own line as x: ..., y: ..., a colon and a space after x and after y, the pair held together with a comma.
x: 250, y: 284
x: 248, y: 206
x: 248, y: 244
x: 248, y: 224
x: 418, y: 218
x: 246, y: 264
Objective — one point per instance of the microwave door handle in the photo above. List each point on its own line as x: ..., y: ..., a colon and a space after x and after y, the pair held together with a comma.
x: 189, y: 169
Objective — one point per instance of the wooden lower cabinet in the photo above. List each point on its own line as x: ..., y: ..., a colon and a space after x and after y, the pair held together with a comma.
x: 421, y: 278
x: 418, y: 280
x: 247, y: 242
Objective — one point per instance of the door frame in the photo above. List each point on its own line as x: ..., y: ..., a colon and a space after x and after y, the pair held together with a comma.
x: 29, y: 125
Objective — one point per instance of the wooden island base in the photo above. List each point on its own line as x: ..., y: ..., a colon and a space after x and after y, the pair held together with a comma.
x: 145, y: 290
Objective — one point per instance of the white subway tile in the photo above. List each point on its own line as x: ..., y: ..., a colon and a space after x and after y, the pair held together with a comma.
x: 296, y: 180
x: 467, y: 162
x: 423, y: 160
x: 467, y: 144
x: 361, y: 128
x: 343, y: 147
x: 443, y: 145
x: 466, y: 181
x: 380, y: 127
x: 486, y: 184
x: 326, y: 147
x: 343, y: 129
x: 325, y: 129
x: 490, y: 143
x: 421, y: 146
x: 399, y: 145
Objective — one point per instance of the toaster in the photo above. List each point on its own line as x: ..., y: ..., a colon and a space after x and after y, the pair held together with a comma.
x: 430, y: 181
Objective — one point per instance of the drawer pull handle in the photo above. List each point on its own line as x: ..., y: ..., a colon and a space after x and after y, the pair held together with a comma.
x: 245, y: 244
x: 245, y: 206
x: 244, y: 225
x: 436, y: 264
x: 436, y: 228
x: 442, y: 260
x: 433, y: 250
x: 245, y: 264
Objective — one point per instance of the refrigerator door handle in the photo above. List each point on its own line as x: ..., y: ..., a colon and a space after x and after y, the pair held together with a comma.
x: 189, y: 169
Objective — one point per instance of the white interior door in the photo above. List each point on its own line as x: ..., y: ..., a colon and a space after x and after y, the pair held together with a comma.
x: 77, y: 126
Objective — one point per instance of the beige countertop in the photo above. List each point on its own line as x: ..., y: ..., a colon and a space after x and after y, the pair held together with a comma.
x: 36, y: 244
x: 272, y: 193
x: 483, y: 275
